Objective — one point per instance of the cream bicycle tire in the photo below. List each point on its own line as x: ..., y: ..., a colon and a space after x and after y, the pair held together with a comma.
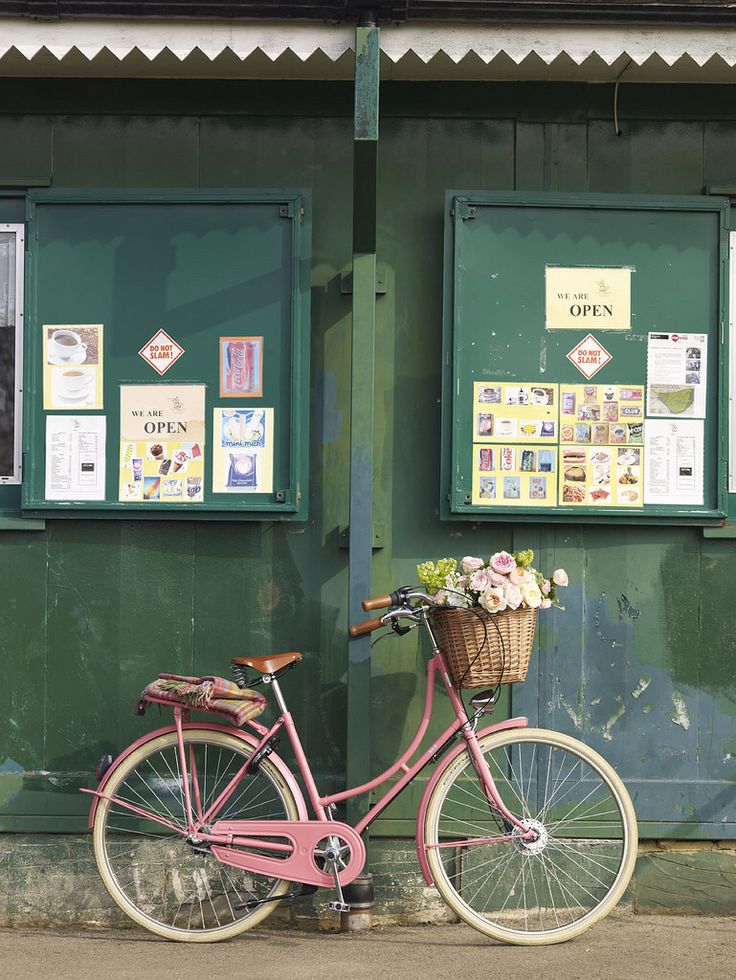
x: 460, y: 888
x: 221, y: 741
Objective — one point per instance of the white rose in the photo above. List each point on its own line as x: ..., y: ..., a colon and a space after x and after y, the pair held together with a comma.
x: 493, y: 599
x: 559, y: 577
x: 531, y: 595
x: 470, y: 564
x: 512, y: 594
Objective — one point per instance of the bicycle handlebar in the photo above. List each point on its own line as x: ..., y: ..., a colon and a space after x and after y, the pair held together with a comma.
x: 401, y: 599
x: 366, y: 627
x: 380, y: 602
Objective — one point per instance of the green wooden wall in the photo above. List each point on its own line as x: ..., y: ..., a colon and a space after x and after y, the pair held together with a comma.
x: 641, y: 664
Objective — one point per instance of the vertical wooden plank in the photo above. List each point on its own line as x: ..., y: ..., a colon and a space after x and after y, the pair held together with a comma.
x: 23, y: 656
x: 609, y: 157
x: 529, y: 156
x: 125, y: 151
x: 365, y: 148
x: 26, y: 147
x: 667, y: 157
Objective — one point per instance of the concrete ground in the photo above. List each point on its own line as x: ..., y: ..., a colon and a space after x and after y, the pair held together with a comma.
x: 623, y: 947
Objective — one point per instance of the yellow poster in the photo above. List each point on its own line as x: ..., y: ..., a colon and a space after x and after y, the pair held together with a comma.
x: 602, y: 415
x: 72, y: 367
x: 242, y: 460
x: 608, y: 476
x: 162, y: 441
x: 581, y: 298
x: 520, y: 411
x: 515, y: 476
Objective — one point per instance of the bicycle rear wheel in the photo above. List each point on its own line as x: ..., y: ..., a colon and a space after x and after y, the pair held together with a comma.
x: 532, y: 892
x: 162, y: 882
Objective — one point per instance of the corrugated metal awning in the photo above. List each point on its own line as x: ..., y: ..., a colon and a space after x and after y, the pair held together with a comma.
x: 409, y: 51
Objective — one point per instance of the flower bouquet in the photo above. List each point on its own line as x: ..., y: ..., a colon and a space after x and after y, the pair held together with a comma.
x: 487, y: 613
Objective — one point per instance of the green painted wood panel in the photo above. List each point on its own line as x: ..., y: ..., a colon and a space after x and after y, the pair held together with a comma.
x: 498, y: 247
x: 234, y: 587
x: 200, y: 266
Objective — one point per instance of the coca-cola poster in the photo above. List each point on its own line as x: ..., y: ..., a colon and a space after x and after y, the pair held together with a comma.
x: 241, y: 367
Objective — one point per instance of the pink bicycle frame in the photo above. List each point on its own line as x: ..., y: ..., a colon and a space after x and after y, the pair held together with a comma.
x: 301, y: 832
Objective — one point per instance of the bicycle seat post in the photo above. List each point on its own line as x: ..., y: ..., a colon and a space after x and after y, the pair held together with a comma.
x: 276, y: 687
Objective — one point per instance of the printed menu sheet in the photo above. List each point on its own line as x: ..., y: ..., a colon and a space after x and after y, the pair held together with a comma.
x: 75, y: 457
x: 676, y: 375
x: 673, y: 473
x: 519, y: 412
x: 162, y: 443
x: 515, y: 475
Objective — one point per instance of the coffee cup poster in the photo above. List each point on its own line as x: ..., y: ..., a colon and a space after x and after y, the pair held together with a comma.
x: 72, y: 367
x: 162, y: 444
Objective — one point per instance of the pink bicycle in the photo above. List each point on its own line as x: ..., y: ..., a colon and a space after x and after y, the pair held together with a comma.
x: 200, y: 829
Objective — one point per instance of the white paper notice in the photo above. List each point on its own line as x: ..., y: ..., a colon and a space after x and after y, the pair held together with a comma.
x: 673, y: 462
x: 676, y: 375
x: 75, y: 457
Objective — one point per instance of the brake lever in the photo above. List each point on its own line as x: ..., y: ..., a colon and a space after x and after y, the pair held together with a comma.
x: 402, y: 630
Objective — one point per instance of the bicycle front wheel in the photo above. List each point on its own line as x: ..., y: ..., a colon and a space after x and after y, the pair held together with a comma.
x: 171, y: 886
x: 532, y: 892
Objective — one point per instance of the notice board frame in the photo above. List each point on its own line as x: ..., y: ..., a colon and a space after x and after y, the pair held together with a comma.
x: 288, y: 499
x: 455, y: 497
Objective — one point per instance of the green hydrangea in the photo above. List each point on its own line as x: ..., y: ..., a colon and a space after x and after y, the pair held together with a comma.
x: 433, y: 576
x: 524, y: 558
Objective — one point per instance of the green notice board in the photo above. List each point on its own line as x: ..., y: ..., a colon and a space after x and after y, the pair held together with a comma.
x: 166, y: 353
x: 584, y: 372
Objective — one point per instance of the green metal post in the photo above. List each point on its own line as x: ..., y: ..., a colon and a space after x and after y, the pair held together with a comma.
x: 365, y: 146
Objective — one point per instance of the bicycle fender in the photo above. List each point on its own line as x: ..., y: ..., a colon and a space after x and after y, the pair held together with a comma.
x: 210, y: 727
x: 432, y: 782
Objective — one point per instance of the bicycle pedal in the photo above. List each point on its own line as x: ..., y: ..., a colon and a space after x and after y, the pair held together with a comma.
x: 339, y: 907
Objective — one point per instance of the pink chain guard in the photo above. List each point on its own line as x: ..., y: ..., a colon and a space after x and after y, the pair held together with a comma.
x: 300, y: 836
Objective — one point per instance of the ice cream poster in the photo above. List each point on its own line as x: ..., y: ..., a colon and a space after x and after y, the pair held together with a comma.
x: 518, y: 412
x: 162, y: 444
x: 243, y: 454
x: 515, y: 476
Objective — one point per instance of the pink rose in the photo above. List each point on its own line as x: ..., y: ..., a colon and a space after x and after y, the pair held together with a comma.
x: 469, y: 564
x: 502, y: 562
x: 497, y: 579
x: 545, y: 603
x: 546, y: 587
x: 559, y: 577
x: 493, y: 599
x: 462, y: 582
x: 480, y: 580
x: 519, y: 575
x: 512, y: 595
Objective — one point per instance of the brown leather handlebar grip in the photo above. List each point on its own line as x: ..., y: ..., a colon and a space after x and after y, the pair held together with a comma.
x: 380, y: 602
x: 367, y: 627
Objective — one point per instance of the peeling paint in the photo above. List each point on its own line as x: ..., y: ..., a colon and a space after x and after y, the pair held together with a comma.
x: 626, y: 609
x: 641, y: 687
x: 608, y: 727
x: 647, y: 708
x: 681, y: 715
x: 576, y: 716
x: 595, y: 701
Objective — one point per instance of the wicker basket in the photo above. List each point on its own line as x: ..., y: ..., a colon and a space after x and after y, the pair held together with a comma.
x: 471, y: 639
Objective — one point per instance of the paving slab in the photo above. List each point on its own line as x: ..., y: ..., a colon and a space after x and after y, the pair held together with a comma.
x: 623, y: 947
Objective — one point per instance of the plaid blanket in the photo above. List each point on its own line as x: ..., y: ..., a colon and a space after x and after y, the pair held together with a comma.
x: 208, y: 693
